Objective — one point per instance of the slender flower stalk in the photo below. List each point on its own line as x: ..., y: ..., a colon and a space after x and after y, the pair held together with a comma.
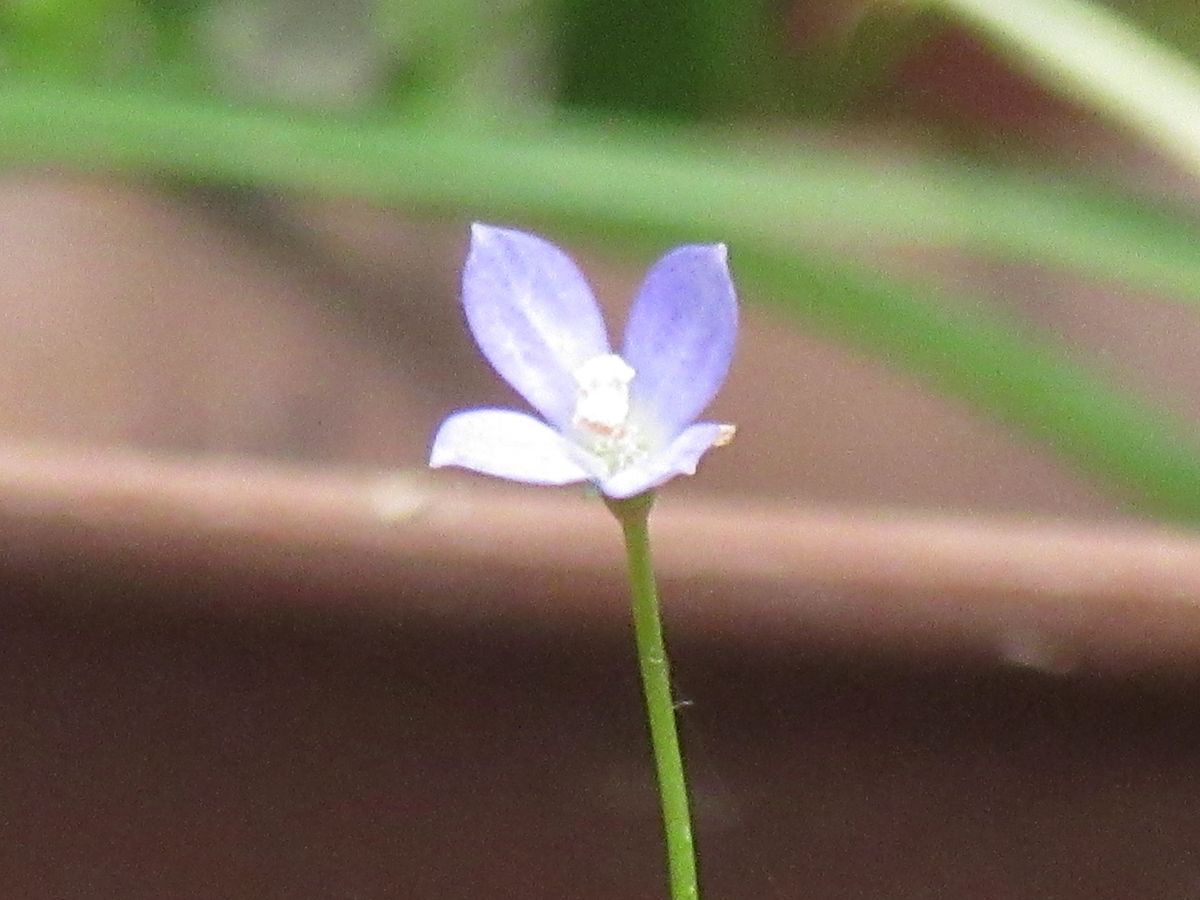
x: 625, y: 422
x: 633, y: 514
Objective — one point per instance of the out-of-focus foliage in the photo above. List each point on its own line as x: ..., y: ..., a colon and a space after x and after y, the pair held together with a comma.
x: 97, y: 38
x: 1102, y: 62
x: 688, y: 119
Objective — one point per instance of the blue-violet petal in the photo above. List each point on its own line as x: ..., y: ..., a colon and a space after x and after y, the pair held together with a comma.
x: 533, y: 316
x: 680, y: 336
x: 506, y: 444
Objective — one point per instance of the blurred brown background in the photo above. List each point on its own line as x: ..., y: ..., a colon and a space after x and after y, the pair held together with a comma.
x: 250, y: 649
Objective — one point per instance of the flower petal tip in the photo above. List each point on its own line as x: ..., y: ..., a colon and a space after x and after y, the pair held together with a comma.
x: 482, y: 231
x: 438, y: 458
x: 441, y: 454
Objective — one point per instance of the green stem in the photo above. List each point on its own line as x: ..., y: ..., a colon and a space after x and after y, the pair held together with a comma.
x: 633, y: 515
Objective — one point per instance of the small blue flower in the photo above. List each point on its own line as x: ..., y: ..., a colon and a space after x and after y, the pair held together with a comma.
x: 624, y: 422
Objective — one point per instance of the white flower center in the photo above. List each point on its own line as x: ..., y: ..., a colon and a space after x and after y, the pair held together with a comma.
x: 602, y: 410
x: 602, y: 404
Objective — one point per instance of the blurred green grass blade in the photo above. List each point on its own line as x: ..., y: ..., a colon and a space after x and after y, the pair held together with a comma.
x: 810, y: 196
x: 580, y: 180
x: 1150, y: 456
x: 1098, y: 58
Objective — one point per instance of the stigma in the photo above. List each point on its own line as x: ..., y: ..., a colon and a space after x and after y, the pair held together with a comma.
x: 602, y: 400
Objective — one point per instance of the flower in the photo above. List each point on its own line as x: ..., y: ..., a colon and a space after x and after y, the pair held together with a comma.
x: 623, y: 422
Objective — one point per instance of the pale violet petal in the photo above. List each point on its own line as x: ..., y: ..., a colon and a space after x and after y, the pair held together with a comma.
x: 533, y: 316
x: 506, y: 444
x: 679, y: 458
x: 680, y: 337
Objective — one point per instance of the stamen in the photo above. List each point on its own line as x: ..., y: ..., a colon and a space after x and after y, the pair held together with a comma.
x: 602, y: 404
x: 602, y: 411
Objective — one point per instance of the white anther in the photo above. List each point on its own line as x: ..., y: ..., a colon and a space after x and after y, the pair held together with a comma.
x: 602, y: 404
